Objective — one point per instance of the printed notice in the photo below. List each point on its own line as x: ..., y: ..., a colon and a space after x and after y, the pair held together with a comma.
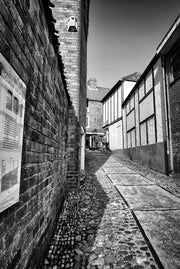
x: 12, y: 107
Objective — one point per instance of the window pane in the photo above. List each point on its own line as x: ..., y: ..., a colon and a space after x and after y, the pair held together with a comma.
x: 87, y: 121
x: 9, y: 100
x: 21, y: 110
x: 176, y: 69
x: 175, y: 64
x: 16, y: 105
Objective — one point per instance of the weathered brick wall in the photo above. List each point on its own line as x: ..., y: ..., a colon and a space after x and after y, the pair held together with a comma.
x: 69, y: 46
x: 73, y: 48
x: 95, y: 115
x: 26, y: 43
x: 73, y: 150
x: 174, y: 98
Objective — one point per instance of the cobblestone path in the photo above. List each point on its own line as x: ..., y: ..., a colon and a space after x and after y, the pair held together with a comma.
x: 96, y: 229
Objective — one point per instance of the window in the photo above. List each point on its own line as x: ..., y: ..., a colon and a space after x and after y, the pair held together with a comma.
x: 175, y: 64
x: 9, y: 100
x: 87, y: 121
x: 16, y: 106
x: 21, y: 110
x: 87, y: 105
x: 149, y: 81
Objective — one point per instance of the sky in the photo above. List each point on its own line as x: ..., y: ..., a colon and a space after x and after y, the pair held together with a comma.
x: 124, y: 34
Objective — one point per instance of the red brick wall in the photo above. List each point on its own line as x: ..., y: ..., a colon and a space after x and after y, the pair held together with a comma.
x: 73, y: 48
x: 51, y: 130
x: 73, y: 149
x: 174, y: 98
x: 26, y: 43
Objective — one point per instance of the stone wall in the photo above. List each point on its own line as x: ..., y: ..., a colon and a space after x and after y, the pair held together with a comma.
x: 27, y: 44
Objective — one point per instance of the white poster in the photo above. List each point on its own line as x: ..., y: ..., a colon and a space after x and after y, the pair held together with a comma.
x: 12, y: 107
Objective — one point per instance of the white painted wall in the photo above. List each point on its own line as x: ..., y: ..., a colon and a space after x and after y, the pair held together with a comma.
x: 128, y: 85
x: 116, y: 136
x: 158, y: 79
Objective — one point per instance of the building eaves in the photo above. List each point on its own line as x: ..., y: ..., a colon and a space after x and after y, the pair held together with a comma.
x: 112, y: 90
x: 170, y: 38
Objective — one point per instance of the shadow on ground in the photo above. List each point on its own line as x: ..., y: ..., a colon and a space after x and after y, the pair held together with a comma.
x: 77, y: 226
x: 92, y: 204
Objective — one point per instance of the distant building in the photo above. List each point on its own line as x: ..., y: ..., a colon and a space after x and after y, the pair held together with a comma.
x: 112, y: 110
x: 94, y: 118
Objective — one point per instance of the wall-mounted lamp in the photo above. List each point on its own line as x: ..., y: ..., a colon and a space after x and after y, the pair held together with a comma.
x: 72, y: 24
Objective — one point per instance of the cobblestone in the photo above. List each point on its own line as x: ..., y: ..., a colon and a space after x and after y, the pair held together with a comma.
x: 96, y: 229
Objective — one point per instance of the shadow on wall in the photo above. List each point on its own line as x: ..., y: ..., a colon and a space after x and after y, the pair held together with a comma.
x: 92, y: 205
x: 77, y: 226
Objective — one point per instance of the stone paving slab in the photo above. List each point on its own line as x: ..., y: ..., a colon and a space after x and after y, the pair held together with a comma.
x: 129, y: 179
x: 163, y: 231
x: 110, y: 162
x: 171, y: 183
x: 119, y: 170
x: 112, y: 165
x: 148, y: 197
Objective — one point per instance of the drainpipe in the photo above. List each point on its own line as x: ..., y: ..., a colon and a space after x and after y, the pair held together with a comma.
x: 167, y: 122
x: 82, y: 166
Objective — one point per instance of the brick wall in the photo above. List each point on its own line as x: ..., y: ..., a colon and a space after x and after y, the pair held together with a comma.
x: 95, y: 115
x: 69, y: 46
x: 73, y: 48
x: 26, y: 43
x: 73, y: 150
x: 174, y: 98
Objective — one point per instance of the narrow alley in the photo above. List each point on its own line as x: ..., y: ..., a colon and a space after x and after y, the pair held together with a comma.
x: 121, y: 217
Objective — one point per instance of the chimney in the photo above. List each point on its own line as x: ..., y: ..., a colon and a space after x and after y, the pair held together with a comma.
x: 92, y: 83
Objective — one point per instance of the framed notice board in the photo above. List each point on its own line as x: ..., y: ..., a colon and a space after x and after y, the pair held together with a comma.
x: 12, y: 108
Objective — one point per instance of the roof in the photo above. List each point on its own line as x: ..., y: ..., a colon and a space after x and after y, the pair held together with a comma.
x: 132, y: 77
x: 170, y: 38
x: 96, y: 94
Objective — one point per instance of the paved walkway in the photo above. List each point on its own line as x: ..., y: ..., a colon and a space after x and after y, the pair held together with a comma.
x: 118, y: 219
